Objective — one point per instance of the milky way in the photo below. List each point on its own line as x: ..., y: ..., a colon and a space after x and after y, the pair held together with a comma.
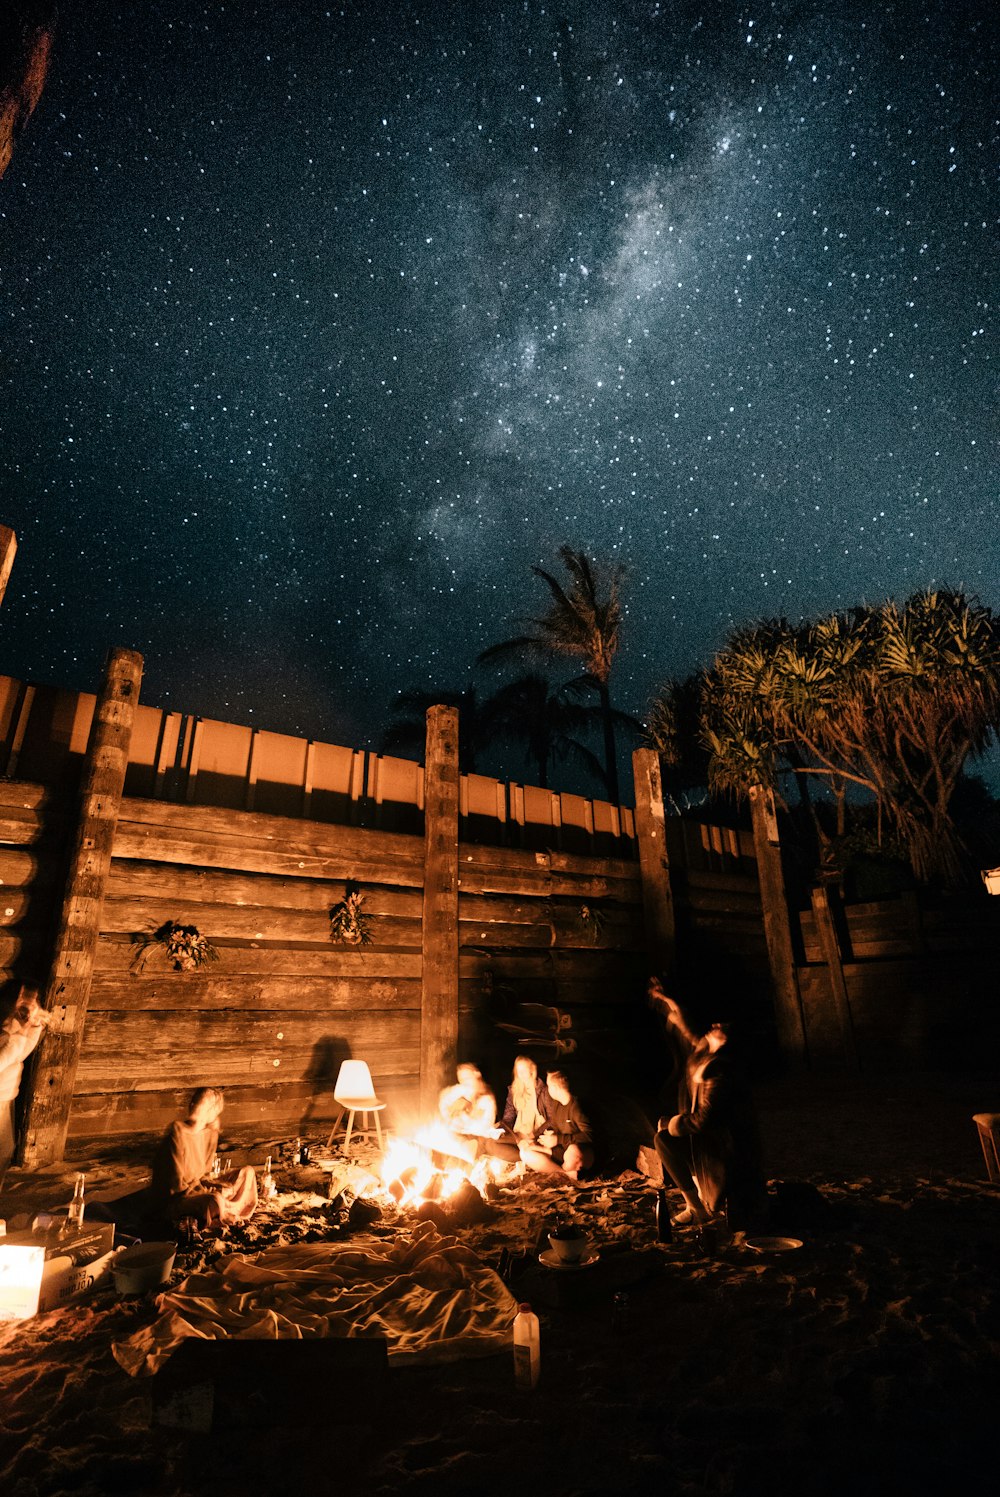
x: 321, y: 327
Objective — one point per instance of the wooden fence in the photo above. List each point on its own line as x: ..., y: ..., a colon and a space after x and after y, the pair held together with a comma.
x: 548, y: 934
x: 548, y: 912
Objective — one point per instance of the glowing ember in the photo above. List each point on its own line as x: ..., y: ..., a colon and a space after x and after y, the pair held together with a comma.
x: 411, y: 1175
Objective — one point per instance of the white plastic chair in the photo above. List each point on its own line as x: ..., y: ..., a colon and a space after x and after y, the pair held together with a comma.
x: 355, y: 1092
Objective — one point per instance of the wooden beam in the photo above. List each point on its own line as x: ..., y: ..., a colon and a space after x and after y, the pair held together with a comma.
x: 788, y: 1015
x: 68, y: 989
x: 829, y: 942
x: 439, y: 1010
x: 8, y: 550
x: 654, y: 862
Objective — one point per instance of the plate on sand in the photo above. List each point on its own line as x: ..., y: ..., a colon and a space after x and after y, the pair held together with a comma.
x: 549, y: 1260
x: 773, y: 1244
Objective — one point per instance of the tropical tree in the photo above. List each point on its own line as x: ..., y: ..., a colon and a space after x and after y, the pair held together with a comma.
x: 892, y: 699
x: 407, y: 734
x: 548, y: 720
x: 582, y: 623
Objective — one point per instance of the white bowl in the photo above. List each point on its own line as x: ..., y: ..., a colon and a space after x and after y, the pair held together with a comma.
x: 144, y: 1266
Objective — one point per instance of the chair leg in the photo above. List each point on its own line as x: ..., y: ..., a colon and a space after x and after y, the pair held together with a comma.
x: 378, y: 1132
x: 347, y: 1135
x: 336, y: 1125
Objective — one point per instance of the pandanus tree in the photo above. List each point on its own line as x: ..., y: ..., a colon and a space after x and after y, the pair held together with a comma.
x: 582, y: 623
x: 893, y: 699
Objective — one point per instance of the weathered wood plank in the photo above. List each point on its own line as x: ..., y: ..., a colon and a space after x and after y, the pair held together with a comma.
x: 654, y: 860
x: 250, y: 994
x: 208, y: 850
x: 19, y: 828
x: 612, y: 937
x: 537, y: 883
x: 481, y: 859
x: 135, y: 1051
x: 132, y: 880
x: 115, y: 956
x: 24, y: 794
x: 50, y: 1088
x: 219, y: 921
x: 27, y: 870
x: 294, y: 1103
x: 439, y: 1026
x: 255, y: 828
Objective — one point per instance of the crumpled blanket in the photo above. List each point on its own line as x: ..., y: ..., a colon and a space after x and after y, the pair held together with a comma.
x: 430, y: 1296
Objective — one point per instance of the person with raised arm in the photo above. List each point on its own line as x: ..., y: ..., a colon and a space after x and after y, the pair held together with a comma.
x: 709, y: 1147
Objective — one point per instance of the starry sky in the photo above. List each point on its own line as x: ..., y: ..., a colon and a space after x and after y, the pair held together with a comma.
x: 321, y: 326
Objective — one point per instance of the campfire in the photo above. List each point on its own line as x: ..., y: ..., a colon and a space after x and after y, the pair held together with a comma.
x: 425, y: 1168
x: 422, y: 1173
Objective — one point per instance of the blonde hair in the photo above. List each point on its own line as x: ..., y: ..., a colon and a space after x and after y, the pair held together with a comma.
x: 205, y: 1094
x: 524, y: 1092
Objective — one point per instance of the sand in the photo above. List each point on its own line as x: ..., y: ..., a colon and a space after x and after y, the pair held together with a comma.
x: 866, y: 1361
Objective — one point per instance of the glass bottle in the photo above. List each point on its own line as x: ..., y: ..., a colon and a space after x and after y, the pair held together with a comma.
x: 267, y: 1180
x: 74, y: 1215
x: 664, y: 1226
x: 527, y: 1347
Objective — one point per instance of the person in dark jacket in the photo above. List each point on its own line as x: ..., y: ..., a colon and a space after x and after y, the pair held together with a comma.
x: 709, y: 1147
x: 564, y: 1146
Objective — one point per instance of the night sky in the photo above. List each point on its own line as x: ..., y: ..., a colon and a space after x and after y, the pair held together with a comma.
x: 321, y: 326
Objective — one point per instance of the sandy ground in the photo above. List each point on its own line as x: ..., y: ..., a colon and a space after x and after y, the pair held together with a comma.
x: 864, y: 1362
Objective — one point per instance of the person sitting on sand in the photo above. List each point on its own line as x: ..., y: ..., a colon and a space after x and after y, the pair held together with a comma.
x: 709, y: 1147
x: 19, y: 1035
x: 183, y: 1184
x: 564, y: 1146
x: 469, y: 1112
x: 525, y: 1114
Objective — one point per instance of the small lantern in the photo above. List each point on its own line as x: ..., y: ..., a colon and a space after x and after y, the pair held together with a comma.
x: 991, y: 878
x: 20, y: 1280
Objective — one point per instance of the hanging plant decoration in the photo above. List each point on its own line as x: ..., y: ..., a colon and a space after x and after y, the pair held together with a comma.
x: 183, y: 946
x: 349, y: 924
x: 592, y: 919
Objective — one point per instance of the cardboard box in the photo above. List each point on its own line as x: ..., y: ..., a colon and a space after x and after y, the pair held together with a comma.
x: 64, y: 1282
x: 81, y: 1244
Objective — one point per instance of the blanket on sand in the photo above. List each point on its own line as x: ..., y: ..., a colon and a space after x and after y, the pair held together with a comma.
x: 432, y: 1298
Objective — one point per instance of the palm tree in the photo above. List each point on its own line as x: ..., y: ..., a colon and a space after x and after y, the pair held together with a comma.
x: 408, y: 734
x: 546, y: 721
x: 582, y: 623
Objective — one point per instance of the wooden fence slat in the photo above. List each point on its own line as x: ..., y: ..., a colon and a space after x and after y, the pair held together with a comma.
x: 257, y: 828
x: 152, y: 844
x: 114, y: 958
x: 252, y: 994
x: 132, y: 880
x: 439, y: 1008
x: 50, y: 1091
x: 130, y: 917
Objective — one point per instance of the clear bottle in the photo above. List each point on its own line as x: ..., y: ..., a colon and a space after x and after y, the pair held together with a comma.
x: 527, y: 1347
x: 267, y: 1180
x: 74, y: 1214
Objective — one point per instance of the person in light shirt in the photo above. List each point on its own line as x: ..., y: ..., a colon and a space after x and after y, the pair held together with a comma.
x: 468, y: 1110
x: 19, y: 1036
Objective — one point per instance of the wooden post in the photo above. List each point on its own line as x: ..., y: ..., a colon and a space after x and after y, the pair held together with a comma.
x: 68, y: 990
x: 829, y: 945
x: 8, y: 550
x: 788, y: 1015
x: 439, y: 990
x: 654, y: 862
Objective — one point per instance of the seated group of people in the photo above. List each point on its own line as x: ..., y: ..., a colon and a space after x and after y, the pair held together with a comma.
x: 542, y: 1125
x: 707, y: 1147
